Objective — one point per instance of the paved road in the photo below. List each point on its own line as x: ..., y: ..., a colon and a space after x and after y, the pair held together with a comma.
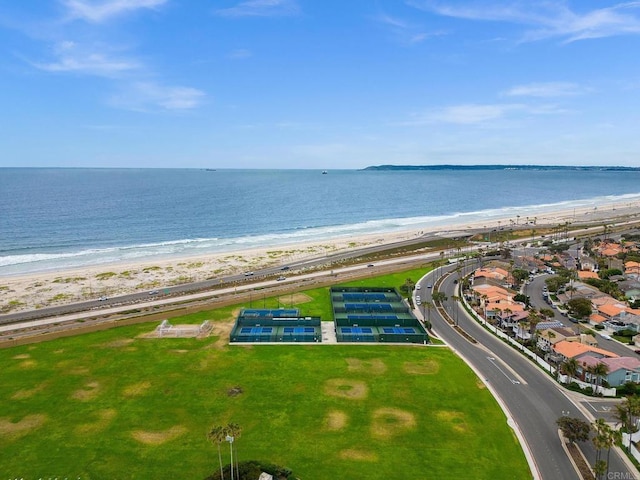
x: 533, y: 400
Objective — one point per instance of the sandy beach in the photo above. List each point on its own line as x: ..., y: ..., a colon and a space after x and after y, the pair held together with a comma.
x: 38, y: 290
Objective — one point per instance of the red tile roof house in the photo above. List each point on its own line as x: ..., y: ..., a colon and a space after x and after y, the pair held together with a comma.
x: 596, y: 319
x: 566, y: 350
x: 632, y: 269
x: 620, y: 370
x: 497, y: 274
x: 584, y: 274
x: 492, y: 299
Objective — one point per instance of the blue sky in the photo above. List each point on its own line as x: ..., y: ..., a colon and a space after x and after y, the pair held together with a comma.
x: 318, y: 83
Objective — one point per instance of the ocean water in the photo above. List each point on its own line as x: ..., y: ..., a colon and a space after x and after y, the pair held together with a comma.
x: 60, y: 218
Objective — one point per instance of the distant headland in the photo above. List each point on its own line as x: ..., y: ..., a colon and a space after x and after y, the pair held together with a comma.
x: 502, y: 167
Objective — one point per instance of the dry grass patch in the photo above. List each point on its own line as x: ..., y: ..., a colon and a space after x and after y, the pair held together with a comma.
x: 12, y: 430
x: 480, y: 384
x: 358, y: 455
x: 426, y: 367
x: 374, y: 366
x: 456, y: 419
x: 28, y: 364
x: 89, y: 392
x: 104, y: 419
x: 118, y: 343
x: 136, y: 389
x: 79, y: 371
x: 158, y: 438
x: 222, y: 330
x: 295, y: 299
x: 22, y: 356
x: 345, y: 388
x: 30, y: 392
x: 389, y: 422
x: 336, y: 420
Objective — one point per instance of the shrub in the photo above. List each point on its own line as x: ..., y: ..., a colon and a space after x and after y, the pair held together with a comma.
x: 251, y: 470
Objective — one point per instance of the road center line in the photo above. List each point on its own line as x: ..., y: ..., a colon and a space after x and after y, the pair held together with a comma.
x: 512, y: 380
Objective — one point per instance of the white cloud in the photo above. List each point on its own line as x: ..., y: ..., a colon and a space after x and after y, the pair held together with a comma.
x: 470, y: 114
x: 73, y: 58
x: 405, y: 32
x: 546, y: 90
x: 145, y: 96
x: 239, y: 53
x: 261, y: 8
x: 101, y: 11
x: 481, y: 114
x: 548, y: 19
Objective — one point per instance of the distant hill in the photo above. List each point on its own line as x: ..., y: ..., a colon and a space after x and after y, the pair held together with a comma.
x: 501, y: 167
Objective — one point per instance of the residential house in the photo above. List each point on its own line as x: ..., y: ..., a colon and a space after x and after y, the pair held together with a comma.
x: 620, y: 370
x: 596, y: 319
x: 566, y: 350
x: 550, y: 336
x: 585, y: 274
x: 588, y: 264
x: 632, y: 269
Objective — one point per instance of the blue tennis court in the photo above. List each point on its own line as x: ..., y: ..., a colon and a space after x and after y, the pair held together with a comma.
x: 399, y: 330
x: 382, y: 307
x: 361, y: 296
x: 356, y: 330
x: 255, y: 330
x: 296, y: 330
x: 279, y: 313
x: 371, y: 317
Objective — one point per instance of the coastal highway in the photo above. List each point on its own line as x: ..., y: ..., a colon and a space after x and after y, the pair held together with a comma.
x: 211, y: 287
x: 533, y: 400
x: 228, y: 287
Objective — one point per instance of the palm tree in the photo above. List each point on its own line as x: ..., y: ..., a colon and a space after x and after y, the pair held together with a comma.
x: 605, y: 437
x: 600, y: 370
x: 409, y: 284
x: 439, y: 297
x: 428, y: 306
x: 217, y: 435
x: 233, y: 431
x: 455, y: 300
x: 534, y: 320
x: 485, y: 299
x: 570, y: 367
x: 627, y: 414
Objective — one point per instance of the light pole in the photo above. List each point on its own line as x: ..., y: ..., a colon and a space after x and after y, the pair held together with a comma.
x: 230, y: 440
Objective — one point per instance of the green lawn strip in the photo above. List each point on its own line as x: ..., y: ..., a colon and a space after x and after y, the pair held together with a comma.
x: 96, y: 391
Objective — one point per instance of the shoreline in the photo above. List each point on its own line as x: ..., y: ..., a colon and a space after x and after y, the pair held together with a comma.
x: 29, y: 291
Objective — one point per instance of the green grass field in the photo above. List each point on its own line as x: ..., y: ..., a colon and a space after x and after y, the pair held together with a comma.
x: 113, y: 405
